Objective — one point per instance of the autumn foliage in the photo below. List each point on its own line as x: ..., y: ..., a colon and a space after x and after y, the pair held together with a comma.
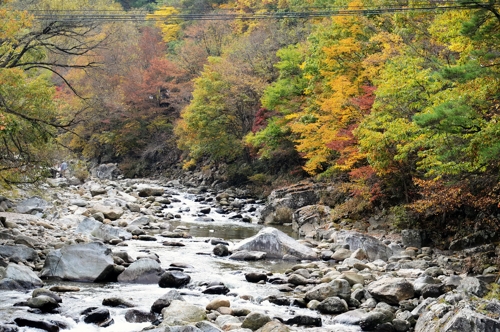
x: 397, y: 109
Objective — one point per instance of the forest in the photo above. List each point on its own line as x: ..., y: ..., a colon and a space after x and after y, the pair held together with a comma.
x: 395, y: 102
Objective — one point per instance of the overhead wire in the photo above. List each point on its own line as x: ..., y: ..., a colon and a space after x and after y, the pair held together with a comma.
x: 393, y: 6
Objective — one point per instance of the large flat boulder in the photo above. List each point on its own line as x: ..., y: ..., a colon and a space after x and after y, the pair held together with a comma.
x: 91, y: 262
x: 276, y: 244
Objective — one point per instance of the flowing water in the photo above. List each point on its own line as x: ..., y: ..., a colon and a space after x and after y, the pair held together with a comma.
x: 203, y: 268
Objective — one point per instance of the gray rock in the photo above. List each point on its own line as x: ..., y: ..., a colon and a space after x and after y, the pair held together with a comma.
x: 332, y: 305
x: 117, y: 302
x: 221, y: 250
x: 31, y: 205
x: 104, y: 232
x: 306, y: 220
x: 446, y: 318
x: 139, y: 316
x: 411, y: 238
x: 37, y: 324
x: 90, y: 262
x: 146, y: 190
x: 174, y: 279
x: 255, y: 321
x: 18, y: 253
x: 182, y: 313
x: 341, y: 254
x: 391, y: 290
x: 43, y: 302
x: 474, y: 286
x: 165, y: 301
x: 106, y: 171
x: 292, y: 197
x: 22, y: 275
x: 142, y: 271
x: 365, y: 320
x: 276, y: 244
x: 245, y: 255
x: 373, y: 248
x: 337, y: 287
x: 110, y: 212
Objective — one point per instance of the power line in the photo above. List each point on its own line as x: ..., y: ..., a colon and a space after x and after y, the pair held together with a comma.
x: 116, y: 15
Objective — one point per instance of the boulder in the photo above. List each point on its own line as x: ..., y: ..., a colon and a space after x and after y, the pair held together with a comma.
x: 142, y: 271
x: 359, y: 317
x: 174, y: 279
x: 18, y: 253
x: 146, y: 190
x: 337, y: 287
x: 255, y: 320
x: 91, y: 262
x: 31, y: 205
x: 373, y: 248
x: 21, y: 275
x: 332, y: 305
x: 391, y: 290
x: 182, y: 313
x: 217, y: 303
x: 139, y: 316
x: 106, y: 233
x: 473, y: 286
x: 165, y: 301
x: 43, y: 302
x: 98, y: 316
x: 117, y: 302
x: 245, y: 255
x: 37, y: 324
x: 276, y: 244
x: 110, y: 212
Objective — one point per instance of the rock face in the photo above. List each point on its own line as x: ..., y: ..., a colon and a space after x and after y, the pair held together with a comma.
x: 373, y: 248
x: 276, y: 244
x: 293, y: 197
x: 447, y: 315
x: 106, y: 171
x: 90, y: 262
x: 308, y: 219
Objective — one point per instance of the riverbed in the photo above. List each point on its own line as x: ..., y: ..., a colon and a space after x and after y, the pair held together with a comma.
x: 198, y: 261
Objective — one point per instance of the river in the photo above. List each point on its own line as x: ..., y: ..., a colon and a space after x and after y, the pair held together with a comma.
x: 202, y: 267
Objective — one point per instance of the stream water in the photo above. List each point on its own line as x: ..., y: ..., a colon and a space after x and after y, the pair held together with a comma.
x: 204, y: 268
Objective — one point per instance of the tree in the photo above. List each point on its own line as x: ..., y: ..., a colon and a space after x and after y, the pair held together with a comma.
x: 31, y: 51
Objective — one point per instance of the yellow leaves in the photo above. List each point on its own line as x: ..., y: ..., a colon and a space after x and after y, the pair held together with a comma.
x: 170, y: 31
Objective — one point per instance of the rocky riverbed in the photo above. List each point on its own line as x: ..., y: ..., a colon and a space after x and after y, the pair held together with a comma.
x: 132, y: 255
